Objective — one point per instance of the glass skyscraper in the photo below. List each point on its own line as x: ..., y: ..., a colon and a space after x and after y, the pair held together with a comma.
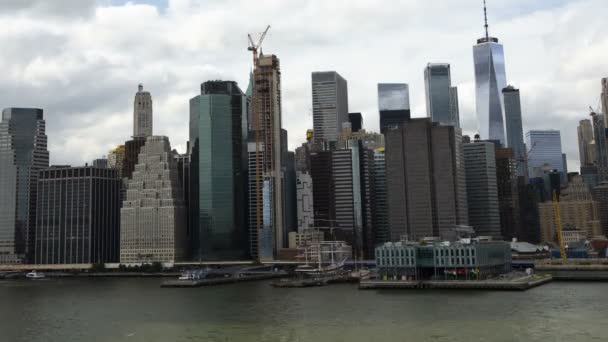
x: 490, y: 80
x: 329, y: 105
x: 218, y: 132
x: 23, y: 152
x: 545, y: 152
x: 437, y: 85
x: 393, y: 104
x: 515, y: 133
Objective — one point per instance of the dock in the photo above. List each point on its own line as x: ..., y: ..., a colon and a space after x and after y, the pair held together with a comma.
x: 219, y: 281
x: 520, y: 284
x: 579, y: 270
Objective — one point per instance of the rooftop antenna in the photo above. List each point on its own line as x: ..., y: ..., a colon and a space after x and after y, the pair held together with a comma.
x: 485, y: 17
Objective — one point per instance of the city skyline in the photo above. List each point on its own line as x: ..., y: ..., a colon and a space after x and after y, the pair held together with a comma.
x: 79, y: 82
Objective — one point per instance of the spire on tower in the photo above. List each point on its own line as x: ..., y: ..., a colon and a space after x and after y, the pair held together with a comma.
x: 485, y: 17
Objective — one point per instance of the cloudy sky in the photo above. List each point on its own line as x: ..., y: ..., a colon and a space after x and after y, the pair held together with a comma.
x: 81, y: 60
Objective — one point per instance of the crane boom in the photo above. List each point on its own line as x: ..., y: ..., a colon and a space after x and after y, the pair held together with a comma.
x: 558, y: 224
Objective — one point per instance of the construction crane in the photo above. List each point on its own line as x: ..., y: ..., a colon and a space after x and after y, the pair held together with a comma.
x: 558, y: 223
x: 253, y: 47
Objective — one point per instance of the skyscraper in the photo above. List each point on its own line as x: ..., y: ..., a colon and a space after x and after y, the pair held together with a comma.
x: 585, y: 138
x: 142, y: 113
x: 604, y: 97
x: 356, y: 121
x: 304, y: 195
x: 545, y: 152
x: 329, y: 105
x: 515, y: 132
x: 78, y: 216
x: 490, y: 79
x: 437, y: 85
x: 454, y: 107
x: 381, y: 227
x: 393, y: 104
x: 601, y: 146
x: 482, y: 190
x: 265, y: 160
x: 218, y: 132
x: 507, y: 182
x: 23, y: 152
x: 425, y: 179
x: 153, y: 217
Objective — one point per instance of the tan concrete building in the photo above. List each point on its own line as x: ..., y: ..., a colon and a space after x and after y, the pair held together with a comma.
x: 153, y: 217
x: 579, y: 212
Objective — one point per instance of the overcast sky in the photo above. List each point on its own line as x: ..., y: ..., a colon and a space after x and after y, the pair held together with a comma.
x: 81, y: 60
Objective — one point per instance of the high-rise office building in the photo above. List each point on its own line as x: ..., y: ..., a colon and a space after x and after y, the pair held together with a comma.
x: 508, y: 185
x: 329, y: 105
x: 153, y: 216
x: 116, y: 158
x: 586, y: 150
x: 515, y: 132
x: 381, y: 227
x: 454, y: 106
x: 482, y: 190
x: 304, y: 195
x: 356, y: 121
x: 142, y: 113
x: 265, y: 153
x: 101, y: 163
x: 601, y: 146
x: 323, y: 194
x: 393, y: 104
x: 437, y: 85
x: 545, y: 152
x: 78, y: 215
x: 218, y: 133
x: 425, y: 179
x: 490, y: 80
x: 23, y: 152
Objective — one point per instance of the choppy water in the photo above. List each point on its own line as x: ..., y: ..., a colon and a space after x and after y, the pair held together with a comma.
x: 139, y: 310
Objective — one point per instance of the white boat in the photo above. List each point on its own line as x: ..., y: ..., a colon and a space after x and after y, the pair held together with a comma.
x: 194, y: 275
x: 35, y: 275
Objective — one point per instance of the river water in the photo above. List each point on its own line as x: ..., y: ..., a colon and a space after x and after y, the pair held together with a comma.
x: 139, y: 310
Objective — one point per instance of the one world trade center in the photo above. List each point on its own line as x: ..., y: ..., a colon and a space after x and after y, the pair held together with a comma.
x: 490, y: 80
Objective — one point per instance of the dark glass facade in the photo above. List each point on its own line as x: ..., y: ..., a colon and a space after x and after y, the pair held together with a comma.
x: 356, y: 121
x: 23, y: 152
x: 218, y: 134
x: 78, y: 216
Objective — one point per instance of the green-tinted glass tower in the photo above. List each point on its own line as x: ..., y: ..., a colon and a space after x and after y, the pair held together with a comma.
x: 218, y: 200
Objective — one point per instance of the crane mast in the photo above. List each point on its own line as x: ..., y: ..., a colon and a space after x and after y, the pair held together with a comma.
x: 253, y: 47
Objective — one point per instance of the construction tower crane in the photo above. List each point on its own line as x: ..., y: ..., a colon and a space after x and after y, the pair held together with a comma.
x: 253, y: 47
x: 558, y: 224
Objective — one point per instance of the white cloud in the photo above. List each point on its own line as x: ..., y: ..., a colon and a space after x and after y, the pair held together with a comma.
x: 82, y: 64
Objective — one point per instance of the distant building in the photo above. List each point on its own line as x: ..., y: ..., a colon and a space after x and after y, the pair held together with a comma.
x: 515, y: 133
x: 356, y: 121
x: 304, y: 195
x: 601, y: 146
x: 323, y: 194
x: 218, y: 121
x: 508, y: 185
x: 381, y: 227
x: 482, y: 190
x: 142, y: 113
x: 472, y: 261
x: 153, y: 216
x: 578, y: 212
x: 101, y: 163
x: 454, y: 106
x: 23, y: 152
x: 425, y: 179
x: 438, y: 84
x: 116, y: 159
x: 393, y: 104
x: 604, y: 97
x: 600, y: 195
x: 329, y: 105
x: 545, y: 152
x: 586, y: 143
x: 78, y: 216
